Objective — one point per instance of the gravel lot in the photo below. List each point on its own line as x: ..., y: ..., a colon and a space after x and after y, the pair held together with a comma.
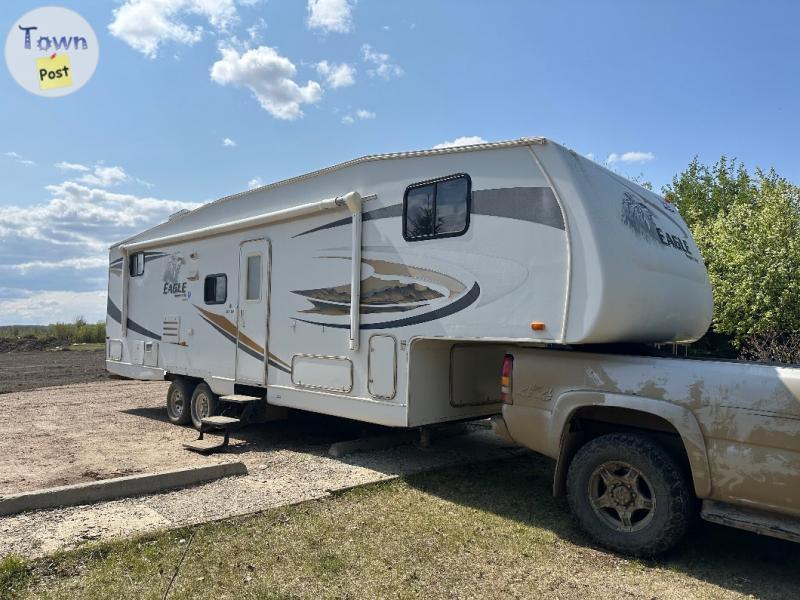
x: 82, y: 432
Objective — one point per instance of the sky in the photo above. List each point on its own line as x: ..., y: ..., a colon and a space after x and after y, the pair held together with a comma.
x: 193, y: 100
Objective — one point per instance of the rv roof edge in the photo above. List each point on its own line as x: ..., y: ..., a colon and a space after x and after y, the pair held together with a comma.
x: 239, y: 224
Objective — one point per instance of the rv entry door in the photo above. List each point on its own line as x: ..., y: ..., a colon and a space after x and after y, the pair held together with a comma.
x: 251, y: 314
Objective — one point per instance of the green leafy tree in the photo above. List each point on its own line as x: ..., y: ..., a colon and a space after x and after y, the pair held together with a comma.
x: 748, y: 231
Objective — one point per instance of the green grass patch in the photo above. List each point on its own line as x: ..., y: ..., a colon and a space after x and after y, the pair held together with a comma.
x: 481, y: 531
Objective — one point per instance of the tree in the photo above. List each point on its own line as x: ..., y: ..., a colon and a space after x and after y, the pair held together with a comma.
x: 748, y: 231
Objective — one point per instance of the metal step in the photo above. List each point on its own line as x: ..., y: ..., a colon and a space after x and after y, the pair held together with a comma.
x: 240, y: 398
x: 219, y: 421
x: 757, y: 521
x: 206, y: 445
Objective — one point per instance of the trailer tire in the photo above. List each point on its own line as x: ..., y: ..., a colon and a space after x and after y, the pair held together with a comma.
x: 204, y: 404
x: 629, y: 494
x: 179, y: 399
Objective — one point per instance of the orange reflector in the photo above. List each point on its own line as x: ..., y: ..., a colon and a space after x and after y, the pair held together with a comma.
x: 537, y: 325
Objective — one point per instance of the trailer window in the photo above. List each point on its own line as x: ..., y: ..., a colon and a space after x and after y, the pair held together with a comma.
x: 435, y: 209
x: 254, y: 277
x: 136, y: 264
x: 215, y: 290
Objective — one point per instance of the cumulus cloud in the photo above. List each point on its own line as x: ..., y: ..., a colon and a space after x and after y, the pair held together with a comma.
x: 630, y: 157
x: 466, y: 140
x: 254, y: 183
x: 36, y: 307
x: 20, y: 159
x: 336, y: 75
x: 270, y: 77
x: 105, y: 176
x: 147, y: 24
x: 330, y: 15
x: 228, y: 143
x: 381, y: 65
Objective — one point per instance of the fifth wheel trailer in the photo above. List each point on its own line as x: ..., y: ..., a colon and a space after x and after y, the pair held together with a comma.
x: 443, y: 250
x: 392, y: 288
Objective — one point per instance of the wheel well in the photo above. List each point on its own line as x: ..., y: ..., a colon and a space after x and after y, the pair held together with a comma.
x: 590, y: 422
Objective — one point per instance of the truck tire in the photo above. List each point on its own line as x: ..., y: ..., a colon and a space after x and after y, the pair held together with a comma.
x: 179, y: 397
x: 629, y: 494
x: 204, y: 404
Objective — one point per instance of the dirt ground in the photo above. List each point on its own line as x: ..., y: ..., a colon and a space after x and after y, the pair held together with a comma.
x: 101, y: 429
x: 30, y: 370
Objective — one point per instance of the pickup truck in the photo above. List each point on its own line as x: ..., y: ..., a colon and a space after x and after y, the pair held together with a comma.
x: 644, y: 443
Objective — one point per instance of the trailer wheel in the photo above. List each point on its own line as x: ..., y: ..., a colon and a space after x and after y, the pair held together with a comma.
x: 179, y: 397
x: 629, y: 494
x: 204, y: 404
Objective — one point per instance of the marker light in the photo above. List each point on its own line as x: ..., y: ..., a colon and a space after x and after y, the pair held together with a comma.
x: 537, y: 325
x: 505, y: 379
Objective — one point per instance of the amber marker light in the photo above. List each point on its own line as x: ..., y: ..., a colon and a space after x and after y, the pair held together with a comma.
x: 537, y: 325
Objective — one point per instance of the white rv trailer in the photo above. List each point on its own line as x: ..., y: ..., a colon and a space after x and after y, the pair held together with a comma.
x: 454, y: 254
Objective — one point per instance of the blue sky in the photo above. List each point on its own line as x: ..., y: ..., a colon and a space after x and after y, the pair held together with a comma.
x: 298, y: 85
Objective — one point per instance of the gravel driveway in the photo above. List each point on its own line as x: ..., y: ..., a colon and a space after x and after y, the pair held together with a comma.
x: 68, y: 434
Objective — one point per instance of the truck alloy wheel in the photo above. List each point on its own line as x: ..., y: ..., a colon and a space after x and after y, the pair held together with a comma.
x: 629, y: 494
x: 621, y: 496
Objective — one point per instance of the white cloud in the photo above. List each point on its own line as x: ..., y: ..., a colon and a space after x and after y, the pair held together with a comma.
x: 255, y: 30
x: 381, y: 63
x: 590, y: 155
x: 146, y: 24
x: 17, y: 157
x: 270, y: 77
x: 254, y: 183
x: 80, y: 263
x: 36, y: 307
x: 228, y: 143
x: 336, y: 75
x: 361, y: 114
x: 105, y: 176
x: 330, y: 15
x: 67, y: 166
x: 630, y: 157
x: 466, y: 140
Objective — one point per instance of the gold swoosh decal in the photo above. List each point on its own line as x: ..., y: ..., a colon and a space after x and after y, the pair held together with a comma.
x: 224, y: 323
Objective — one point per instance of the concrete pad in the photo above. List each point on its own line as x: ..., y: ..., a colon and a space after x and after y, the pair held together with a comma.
x: 119, y: 487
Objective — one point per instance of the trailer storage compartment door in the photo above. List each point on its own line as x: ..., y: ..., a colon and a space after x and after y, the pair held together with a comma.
x: 382, y: 371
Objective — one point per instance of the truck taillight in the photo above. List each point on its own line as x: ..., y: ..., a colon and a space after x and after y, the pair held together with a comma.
x: 506, y: 375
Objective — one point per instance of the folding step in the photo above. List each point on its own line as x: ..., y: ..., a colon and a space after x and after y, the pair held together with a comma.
x: 240, y: 398
x: 206, y: 445
x: 219, y: 422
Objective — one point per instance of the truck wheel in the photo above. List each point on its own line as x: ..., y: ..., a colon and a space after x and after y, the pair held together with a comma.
x: 179, y: 397
x: 204, y: 404
x: 629, y: 495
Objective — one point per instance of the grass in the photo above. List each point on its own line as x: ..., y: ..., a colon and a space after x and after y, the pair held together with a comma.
x: 489, y: 530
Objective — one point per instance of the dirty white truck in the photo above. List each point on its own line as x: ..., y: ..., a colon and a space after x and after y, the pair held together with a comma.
x: 392, y: 288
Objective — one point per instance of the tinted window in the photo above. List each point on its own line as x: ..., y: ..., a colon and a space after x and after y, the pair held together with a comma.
x: 215, y: 290
x: 437, y: 209
x: 136, y: 264
x: 254, y: 277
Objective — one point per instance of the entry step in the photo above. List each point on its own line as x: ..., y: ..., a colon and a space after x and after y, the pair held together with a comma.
x: 205, y: 446
x: 240, y: 398
x: 220, y: 421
